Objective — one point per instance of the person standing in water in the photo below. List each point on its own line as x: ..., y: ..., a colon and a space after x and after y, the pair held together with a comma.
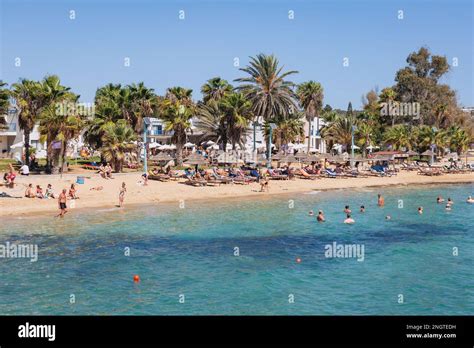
x: 380, y: 200
x: 123, y: 189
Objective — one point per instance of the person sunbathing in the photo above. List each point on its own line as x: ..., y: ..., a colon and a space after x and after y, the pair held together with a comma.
x: 97, y: 188
x: 73, y: 192
x: 49, y: 192
x: 29, y: 191
x: 39, y: 192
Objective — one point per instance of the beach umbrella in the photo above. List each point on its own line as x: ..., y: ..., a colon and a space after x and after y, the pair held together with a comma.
x: 196, y: 160
x: 277, y: 156
x: 227, y: 158
x: 412, y: 153
x: 209, y: 142
x: 312, y: 158
x: 288, y: 159
x: 153, y: 145
x: 301, y: 155
x: 189, y: 145
x: 161, y: 157
x: 428, y: 153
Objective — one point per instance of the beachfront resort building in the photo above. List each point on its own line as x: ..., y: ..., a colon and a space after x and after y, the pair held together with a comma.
x: 316, y: 142
x: 12, y: 139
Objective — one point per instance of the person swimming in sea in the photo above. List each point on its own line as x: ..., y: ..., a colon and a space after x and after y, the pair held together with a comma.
x: 388, y: 217
x: 448, y: 207
x: 347, y: 210
x: 420, y: 210
x: 380, y: 200
x: 311, y: 213
x: 470, y: 200
x: 439, y: 199
x: 320, y: 216
x: 349, y: 219
x: 450, y: 201
x: 362, y: 209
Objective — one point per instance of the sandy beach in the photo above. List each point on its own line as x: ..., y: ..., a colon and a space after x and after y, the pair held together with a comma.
x: 174, y: 191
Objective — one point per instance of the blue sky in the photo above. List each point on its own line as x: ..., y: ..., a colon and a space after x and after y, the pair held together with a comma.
x: 165, y: 51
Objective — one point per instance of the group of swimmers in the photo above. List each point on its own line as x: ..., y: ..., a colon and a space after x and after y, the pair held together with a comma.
x: 349, y: 220
x: 381, y: 202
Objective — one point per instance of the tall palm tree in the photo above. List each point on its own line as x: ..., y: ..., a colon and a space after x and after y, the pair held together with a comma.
x: 310, y: 95
x: 51, y: 116
x: 142, y: 104
x: 267, y: 90
x: 215, y: 89
x: 4, y: 104
x: 177, y: 118
x: 237, y: 111
x: 116, y: 142
x: 365, y: 132
x: 428, y: 136
x: 30, y: 100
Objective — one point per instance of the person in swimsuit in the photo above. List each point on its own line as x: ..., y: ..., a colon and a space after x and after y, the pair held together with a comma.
x: 380, y: 200
x: 72, y: 192
x: 39, y: 192
x: 349, y: 219
x: 122, y: 194
x: 347, y: 210
x: 29, y: 191
x: 320, y: 217
x: 62, y: 203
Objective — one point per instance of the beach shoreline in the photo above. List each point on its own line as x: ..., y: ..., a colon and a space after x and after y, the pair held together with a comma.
x: 176, y: 192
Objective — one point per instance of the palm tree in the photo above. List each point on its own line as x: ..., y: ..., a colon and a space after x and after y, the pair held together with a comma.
x: 267, y: 90
x: 142, y: 104
x: 30, y: 100
x: 399, y: 136
x: 117, y: 141
x: 52, y: 115
x: 288, y: 129
x: 177, y: 118
x: 183, y: 95
x: 215, y: 89
x: 4, y: 104
x: 340, y: 130
x: 365, y: 132
x: 458, y: 139
x: 237, y: 111
x: 428, y: 136
x: 388, y: 95
x: 310, y: 95
x: 211, y: 122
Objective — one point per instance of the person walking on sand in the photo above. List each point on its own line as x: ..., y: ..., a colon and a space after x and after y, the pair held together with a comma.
x: 62, y: 199
x: 380, y: 200
x: 123, y: 189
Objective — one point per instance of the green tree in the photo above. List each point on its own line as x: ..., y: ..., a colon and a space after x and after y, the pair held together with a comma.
x: 237, y: 111
x: 399, y: 136
x: 267, y: 89
x: 30, y: 101
x: 116, y: 142
x: 310, y: 95
x: 4, y: 104
x: 177, y: 118
x: 215, y: 89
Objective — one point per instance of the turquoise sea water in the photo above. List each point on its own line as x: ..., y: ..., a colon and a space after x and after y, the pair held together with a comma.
x: 190, y: 251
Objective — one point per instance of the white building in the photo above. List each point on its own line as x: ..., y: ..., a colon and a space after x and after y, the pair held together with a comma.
x: 316, y: 142
x: 12, y: 139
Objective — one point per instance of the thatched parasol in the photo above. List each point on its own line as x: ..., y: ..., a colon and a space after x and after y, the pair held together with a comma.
x: 196, y: 160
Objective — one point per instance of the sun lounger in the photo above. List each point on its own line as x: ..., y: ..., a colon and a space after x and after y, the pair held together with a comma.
x: 430, y: 171
x: 332, y: 174
x: 159, y: 177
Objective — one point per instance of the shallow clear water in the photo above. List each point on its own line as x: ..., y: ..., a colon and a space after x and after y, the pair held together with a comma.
x: 190, y: 251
